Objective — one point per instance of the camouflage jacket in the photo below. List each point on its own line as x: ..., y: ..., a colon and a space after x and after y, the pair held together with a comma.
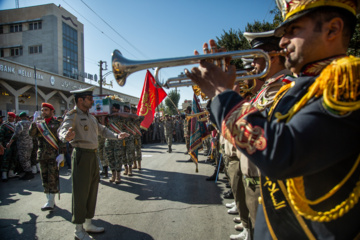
x: 169, y: 127
x: 45, y: 150
x: 5, y: 133
x: 21, y: 134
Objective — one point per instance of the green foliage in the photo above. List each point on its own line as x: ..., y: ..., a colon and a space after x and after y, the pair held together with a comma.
x: 175, y: 97
x: 354, y: 46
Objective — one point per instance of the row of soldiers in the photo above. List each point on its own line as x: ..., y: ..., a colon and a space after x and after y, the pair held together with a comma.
x: 156, y: 131
x: 114, y: 153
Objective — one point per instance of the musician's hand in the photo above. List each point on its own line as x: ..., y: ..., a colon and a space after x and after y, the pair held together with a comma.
x: 123, y: 135
x: 70, y: 135
x: 211, y: 79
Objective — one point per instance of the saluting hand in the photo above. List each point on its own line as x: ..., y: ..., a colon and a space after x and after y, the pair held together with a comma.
x: 123, y: 135
x: 70, y: 135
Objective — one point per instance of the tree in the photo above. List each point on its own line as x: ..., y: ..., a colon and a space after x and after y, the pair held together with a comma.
x: 175, y: 98
x: 354, y: 46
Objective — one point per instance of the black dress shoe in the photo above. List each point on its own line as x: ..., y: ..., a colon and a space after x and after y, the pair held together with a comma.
x: 229, y: 196
x: 228, y: 185
x: 27, y: 176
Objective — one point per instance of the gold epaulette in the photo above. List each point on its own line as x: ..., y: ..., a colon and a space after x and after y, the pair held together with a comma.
x: 338, y: 84
x: 71, y: 112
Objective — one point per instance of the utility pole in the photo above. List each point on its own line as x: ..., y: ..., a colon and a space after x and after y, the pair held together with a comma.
x: 36, y: 95
x: 101, y: 76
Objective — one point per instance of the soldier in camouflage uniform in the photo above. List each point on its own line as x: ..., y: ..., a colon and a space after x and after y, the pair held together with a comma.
x: 24, y: 145
x: 137, y: 138
x: 7, y: 129
x: 161, y: 132
x: 178, y: 127
x: 129, y: 145
x: 45, y: 131
x: 169, y: 129
x: 114, y: 149
x: 101, y: 150
x: 187, y: 130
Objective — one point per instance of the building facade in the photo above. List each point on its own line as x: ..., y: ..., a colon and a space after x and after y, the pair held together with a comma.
x: 48, y: 40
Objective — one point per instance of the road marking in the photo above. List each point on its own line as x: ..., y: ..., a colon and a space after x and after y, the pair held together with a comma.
x: 147, y: 155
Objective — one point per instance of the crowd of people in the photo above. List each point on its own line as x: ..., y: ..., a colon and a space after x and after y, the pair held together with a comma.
x: 288, y: 144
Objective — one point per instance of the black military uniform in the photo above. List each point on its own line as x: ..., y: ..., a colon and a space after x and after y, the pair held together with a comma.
x: 307, y: 148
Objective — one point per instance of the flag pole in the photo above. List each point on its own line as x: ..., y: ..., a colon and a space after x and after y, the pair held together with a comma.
x: 174, y: 105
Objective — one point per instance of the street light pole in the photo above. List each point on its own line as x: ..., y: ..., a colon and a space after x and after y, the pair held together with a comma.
x: 36, y: 95
x: 101, y: 77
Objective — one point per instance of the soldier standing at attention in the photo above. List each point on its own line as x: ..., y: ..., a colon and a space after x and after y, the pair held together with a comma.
x: 7, y: 129
x: 82, y: 130
x: 129, y: 144
x: 187, y: 131
x: 136, y: 123
x: 24, y: 145
x: 114, y: 147
x: 49, y: 147
x: 169, y: 129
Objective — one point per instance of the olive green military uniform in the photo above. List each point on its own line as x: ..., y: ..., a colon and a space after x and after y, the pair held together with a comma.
x: 85, y: 167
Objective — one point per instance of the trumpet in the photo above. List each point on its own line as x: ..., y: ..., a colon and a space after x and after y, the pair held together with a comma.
x: 123, y: 67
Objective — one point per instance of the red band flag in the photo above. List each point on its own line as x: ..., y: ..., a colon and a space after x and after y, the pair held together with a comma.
x: 150, y: 98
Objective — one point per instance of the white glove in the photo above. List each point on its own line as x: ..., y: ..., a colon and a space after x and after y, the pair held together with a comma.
x: 60, y: 159
x: 36, y: 115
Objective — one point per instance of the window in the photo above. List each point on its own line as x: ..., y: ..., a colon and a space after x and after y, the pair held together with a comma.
x: 35, y: 49
x: 1, y: 29
x: 16, y: 51
x: 70, y: 52
x: 34, y: 25
x: 16, y: 28
x: 1, y: 52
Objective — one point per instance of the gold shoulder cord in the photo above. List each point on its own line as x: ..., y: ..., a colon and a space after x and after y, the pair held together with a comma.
x: 339, y: 86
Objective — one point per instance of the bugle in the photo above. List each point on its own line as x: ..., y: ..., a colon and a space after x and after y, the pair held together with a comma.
x: 123, y: 67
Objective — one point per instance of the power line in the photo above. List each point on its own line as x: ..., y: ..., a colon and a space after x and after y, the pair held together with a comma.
x: 114, y: 30
x: 100, y: 30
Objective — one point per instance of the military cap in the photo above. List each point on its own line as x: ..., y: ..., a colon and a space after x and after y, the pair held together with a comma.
x: 188, y: 108
x: 11, y: 114
x: 48, y: 105
x: 22, y: 114
x: 133, y: 108
x: 83, y: 92
x: 259, y: 39
x: 292, y: 10
x: 126, y: 106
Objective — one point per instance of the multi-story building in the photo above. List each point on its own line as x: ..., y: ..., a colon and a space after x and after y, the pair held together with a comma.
x: 49, y: 39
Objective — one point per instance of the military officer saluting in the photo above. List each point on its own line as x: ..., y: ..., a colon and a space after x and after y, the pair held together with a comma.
x: 81, y: 129
x: 49, y: 148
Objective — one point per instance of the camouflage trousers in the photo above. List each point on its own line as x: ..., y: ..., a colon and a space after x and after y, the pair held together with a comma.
x: 114, y: 153
x: 178, y: 135
x: 137, y: 143
x: 49, y: 175
x: 168, y: 138
x: 101, y: 153
x: 9, y: 159
x: 24, y: 154
x: 129, y: 150
x: 187, y: 142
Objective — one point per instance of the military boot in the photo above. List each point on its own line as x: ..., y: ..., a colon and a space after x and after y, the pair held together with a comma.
x: 117, y: 180
x: 106, y: 172
x: 4, y: 177
x: 126, y: 170
x: 135, y: 165
x: 130, y: 171
x: 139, y: 164
x: 27, y: 176
x: 170, y: 150
x: 50, y: 204
x: 112, y: 179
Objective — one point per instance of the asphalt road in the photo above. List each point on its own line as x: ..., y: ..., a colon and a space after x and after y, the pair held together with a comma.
x: 167, y: 199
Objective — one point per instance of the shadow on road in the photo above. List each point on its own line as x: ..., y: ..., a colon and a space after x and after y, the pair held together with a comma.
x: 9, y: 228
x: 149, y: 184
x: 113, y: 231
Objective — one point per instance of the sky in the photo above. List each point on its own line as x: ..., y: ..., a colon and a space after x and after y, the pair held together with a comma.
x: 153, y: 29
